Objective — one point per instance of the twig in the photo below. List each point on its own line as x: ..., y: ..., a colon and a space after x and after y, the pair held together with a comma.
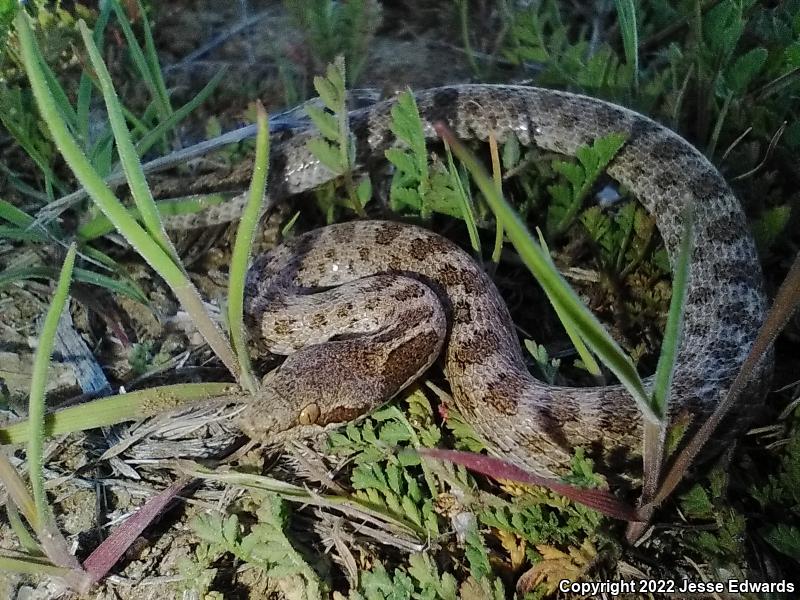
x: 772, y: 143
x: 217, y: 41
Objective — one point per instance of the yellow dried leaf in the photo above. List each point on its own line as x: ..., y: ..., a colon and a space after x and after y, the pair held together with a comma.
x: 515, y: 546
x: 557, y: 565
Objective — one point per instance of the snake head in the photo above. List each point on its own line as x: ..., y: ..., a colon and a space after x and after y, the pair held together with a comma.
x: 278, y: 412
x: 285, y: 409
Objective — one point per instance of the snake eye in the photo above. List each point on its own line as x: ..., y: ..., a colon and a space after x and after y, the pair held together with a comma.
x: 309, y: 415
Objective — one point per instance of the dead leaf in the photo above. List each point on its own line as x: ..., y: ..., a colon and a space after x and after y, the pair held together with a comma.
x: 556, y: 566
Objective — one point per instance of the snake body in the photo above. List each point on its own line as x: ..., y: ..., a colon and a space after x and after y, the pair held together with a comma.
x: 353, y: 348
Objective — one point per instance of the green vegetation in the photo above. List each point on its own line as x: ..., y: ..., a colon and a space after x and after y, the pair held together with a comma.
x: 328, y: 30
x: 155, y: 127
x: 723, y: 73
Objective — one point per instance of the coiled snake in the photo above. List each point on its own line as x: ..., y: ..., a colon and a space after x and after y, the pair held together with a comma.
x: 399, y: 293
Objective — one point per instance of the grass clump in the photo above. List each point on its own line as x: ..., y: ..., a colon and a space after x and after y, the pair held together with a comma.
x: 330, y: 29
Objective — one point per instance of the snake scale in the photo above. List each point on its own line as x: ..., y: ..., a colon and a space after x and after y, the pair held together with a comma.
x: 362, y: 308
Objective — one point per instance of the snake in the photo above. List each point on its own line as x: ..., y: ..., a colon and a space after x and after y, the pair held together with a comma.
x: 362, y: 309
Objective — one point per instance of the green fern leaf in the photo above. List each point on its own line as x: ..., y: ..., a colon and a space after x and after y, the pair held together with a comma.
x: 327, y: 154
x: 324, y: 121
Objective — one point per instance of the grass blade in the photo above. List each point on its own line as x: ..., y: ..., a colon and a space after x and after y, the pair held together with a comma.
x: 626, y: 15
x: 15, y: 488
x: 464, y: 200
x: 153, y: 82
x: 674, y: 328
x: 497, y: 179
x: 589, y: 363
x: 100, y: 225
x: 358, y: 509
x: 26, y: 540
x: 81, y: 275
x: 33, y: 566
x: 118, y: 409
x: 13, y: 215
x: 555, y: 286
x: 151, y: 56
x: 127, y: 153
x: 602, y: 501
x: 786, y: 303
x: 21, y: 235
x: 168, y: 124
x: 36, y: 404
x: 241, y: 249
x: 85, y: 86
x: 655, y: 434
x: 53, y: 542
x: 107, y: 554
x: 27, y: 144
x: 64, y: 106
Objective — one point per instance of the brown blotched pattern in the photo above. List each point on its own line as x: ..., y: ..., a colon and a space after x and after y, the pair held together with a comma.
x: 537, y: 424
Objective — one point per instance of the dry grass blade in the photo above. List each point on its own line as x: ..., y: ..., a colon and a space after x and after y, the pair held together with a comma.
x: 106, y: 555
x: 600, y: 500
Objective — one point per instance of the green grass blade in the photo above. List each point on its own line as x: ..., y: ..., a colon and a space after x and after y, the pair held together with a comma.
x: 21, y: 235
x: 127, y: 153
x: 15, y: 487
x: 301, y: 494
x: 26, y: 540
x: 655, y: 434
x: 241, y: 250
x: 13, y: 215
x: 784, y: 306
x: 24, y: 141
x: 72, y: 574
x: 151, y: 56
x: 168, y: 124
x: 36, y: 404
x: 113, y: 208
x: 130, y: 290
x: 115, y: 286
x: 465, y: 202
x: 32, y: 565
x: 118, y: 409
x: 138, y: 124
x: 626, y: 15
x: 557, y: 289
x: 140, y: 61
x: 101, y: 259
x: 63, y: 103
x: 580, y: 347
x: 22, y: 187
x: 85, y: 86
x: 78, y: 162
x: 674, y: 328
x: 497, y: 179
x: 101, y: 154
